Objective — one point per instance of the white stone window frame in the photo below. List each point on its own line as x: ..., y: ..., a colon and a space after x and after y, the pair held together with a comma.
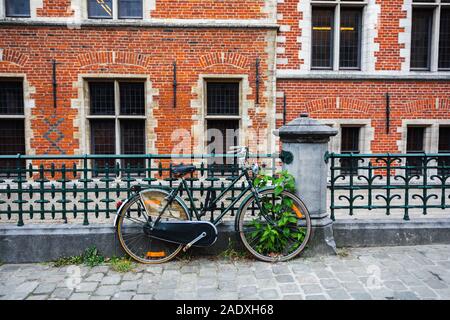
x: 147, y: 6
x: 338, y: 4
x: 366, y: 136
x: 436, y: 6
x: 85, y: 127
x: 28, y: 104
x: 34, y: 5
x: 431, y: 137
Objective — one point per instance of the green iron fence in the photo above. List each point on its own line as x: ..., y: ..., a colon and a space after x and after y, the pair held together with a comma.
x: 391, y: 183
x: 88, y: 186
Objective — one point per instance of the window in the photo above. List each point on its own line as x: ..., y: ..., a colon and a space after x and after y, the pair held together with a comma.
x: 349, y: 144
x: 17, y: 8
x: 415, y: 144
x: 444, y: 147
x: 222, y: 117
x: 117, y: 120
x: 430, y: 35
x: 104, y: 9
x: 12, y: 125
x: 336, y: 48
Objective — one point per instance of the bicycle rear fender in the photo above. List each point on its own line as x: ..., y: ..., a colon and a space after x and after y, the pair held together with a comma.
x: 159, y: 188
x: 236, y: 222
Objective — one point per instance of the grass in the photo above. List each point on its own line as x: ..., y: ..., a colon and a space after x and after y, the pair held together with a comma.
x: 231, y: 253
x: 121, y: 264
x: 342, y: 252
x: 90, y: 257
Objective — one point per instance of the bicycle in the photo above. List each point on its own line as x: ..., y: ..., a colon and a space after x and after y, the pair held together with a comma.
x: 155, y: 224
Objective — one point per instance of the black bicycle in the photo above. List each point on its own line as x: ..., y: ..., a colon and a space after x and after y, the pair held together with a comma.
x: 155, y: 224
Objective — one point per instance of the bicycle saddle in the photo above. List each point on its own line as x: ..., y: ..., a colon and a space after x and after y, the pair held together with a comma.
x: 182, y: 169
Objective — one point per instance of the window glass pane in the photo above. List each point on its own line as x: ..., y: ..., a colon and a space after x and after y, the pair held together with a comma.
x: 444, y: 40
x: 350, y: 38
x: 222, y: 98
x: 101, y: 98
x: 100, y: 9
x: 444, y: 147
x: 132, y: 101
x: 17, y: 8
x: 133, y: 142
x: 12, y: 141
x: 11, y: 97
x: 349, y: 144
x: 415, y: 144
x: 130, y: 8
x: 421, y: 38
x: 322, y: 37
x: 103, y: 141
x: 222, y: 134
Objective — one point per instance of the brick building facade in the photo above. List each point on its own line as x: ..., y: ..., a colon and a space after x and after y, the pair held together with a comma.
x: 138, y: 76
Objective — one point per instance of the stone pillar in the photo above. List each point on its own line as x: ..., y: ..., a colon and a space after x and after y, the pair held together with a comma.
x: 305, y: 142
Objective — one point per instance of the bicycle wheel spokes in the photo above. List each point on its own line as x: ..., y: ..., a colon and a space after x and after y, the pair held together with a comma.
x: 279, y: 230
x: 134, y: 227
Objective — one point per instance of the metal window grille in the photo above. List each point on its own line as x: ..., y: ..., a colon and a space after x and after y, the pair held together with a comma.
x: 103, y: 141
x: 444, y: 39
x: 12, y: 141
x: 100, y: 9
x: 222, y: 134
x: 349, y: 144
x: 130, y: 9
x: 415, y: 144
x: 322, y: 37
x: 222, y: 98
x: 11, y: 97
x: 350, y: 38
x: 421, y: 38
x: 132, y: 99
x: 133, y: 142
x: 17, y: 8
x: 444, y: 147
x: 101, y: 98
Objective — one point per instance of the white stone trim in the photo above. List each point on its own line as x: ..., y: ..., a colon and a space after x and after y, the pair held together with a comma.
x: 431, y: 142
x: 404, y: 38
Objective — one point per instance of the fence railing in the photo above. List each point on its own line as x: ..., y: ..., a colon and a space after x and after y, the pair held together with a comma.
x: 399, y: 183
x: 87, y: 186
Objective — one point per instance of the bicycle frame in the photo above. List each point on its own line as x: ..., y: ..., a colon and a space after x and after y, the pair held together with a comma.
x: 216, y: 221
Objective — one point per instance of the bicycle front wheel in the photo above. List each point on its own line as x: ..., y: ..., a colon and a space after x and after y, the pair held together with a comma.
x: 277, y: 232
x: 135, y: 217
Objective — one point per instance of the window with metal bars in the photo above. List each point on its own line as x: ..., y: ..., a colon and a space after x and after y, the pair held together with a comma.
x: 104, y: 9
x: 130, y: 9
x: 421, y: 38
x: 12, y: 124
x: 117, y: 122
x: 350, y: 38
x: 17, y: 8
x: 444, y: 147
x: 100, y: 9
x: 444, y: 40
x: 322, y: 38
x: 415, y: 143
x: 222, y: 113
x: 223, y: 98
x: 349, y: 144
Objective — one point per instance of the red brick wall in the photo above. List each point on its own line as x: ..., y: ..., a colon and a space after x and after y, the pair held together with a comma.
x: 291, y: 17
x: 388, y: 56
x: 367, y: 100
x: 55, y: 8
x: 209, y: 9
x: 146, y: 51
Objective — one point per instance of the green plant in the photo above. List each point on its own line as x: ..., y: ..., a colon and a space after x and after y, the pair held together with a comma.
x: 90, y: 257
x: 272, y: 238
x: 231, y: 253
x: 121, y: 264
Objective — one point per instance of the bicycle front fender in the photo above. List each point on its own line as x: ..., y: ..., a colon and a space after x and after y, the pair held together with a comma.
x: 236, y: 222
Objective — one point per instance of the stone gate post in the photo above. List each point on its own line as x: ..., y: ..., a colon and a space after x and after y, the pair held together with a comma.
x: 305, y: 142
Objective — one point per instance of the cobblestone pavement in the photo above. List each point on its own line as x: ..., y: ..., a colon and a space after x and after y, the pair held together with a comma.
x: 420, y: 272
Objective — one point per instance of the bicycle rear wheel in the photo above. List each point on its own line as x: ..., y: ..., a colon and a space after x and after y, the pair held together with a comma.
x: 280, y: 232
x: 133, y: 220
